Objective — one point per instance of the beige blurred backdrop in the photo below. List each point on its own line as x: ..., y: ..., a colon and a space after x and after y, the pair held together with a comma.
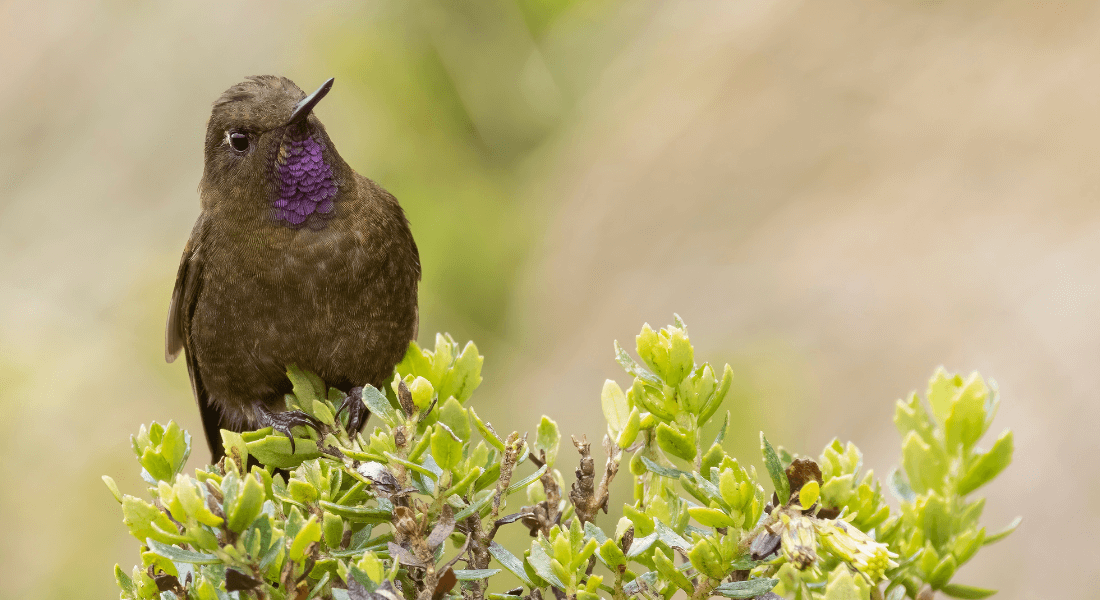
x: 836, y: 196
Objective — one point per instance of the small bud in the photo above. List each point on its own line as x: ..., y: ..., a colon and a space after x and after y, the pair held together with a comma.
x: 422, y: 393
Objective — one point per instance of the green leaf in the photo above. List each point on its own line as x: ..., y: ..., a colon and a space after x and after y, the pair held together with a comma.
x: 635, y: 369
x: 645, y: 581
x: 712, y: 458
x: 274, y: 450
x: 235, y: 448
x: 548, y: 439
x: 591, y: 531
x: 323, y: 413
x: 145, y: 520
x: 379, y: 405
x: 899, y: 485
x: 310, y: 533
x: 358, y: 514
x: 966, y: 421
x: 909, y: 415
x: 446, y: 446
x: 650, y: 400
x: 510, y: 562
x: 456, y: 418
x: 461, y: 486
x: 616, y: 409
x: 923, y: 466
x: 124, y: 581
x: 489, y: 435
x: 709, y: 492
x: 414, y: 363
x: 640, y: 545
x: 716, y: 401
x: 669, y: 572
x: 809, y: 494
x: 177, y: 554
x: 696, y: 391
x: 247, y: 505
x: 988, y: 465
x: 442, y: 357
x: 422, y: 469
x: 681, y: 357
x: 662, y: 471
x: 967, y: 592
x: 113, y: 487
x: 775, y: 470
x: 464, y: 376
x: 526, y: 481
x: 967, y: 543
x: 476, y: 505
x: 935, y: 517
x: 652, y: 352
x: 612, y: 555
x: 712, y: 517
x: 718, y: 439
x: 630, y: 431
x: 942, y: 389
x: 543, y: 565
x: 302, y: 491
x: 474, y: 574
x: 943, y: 572
x: 156, y: 465
x: 175, y: 447
x: 1002, y: 534
x: 676, y: 442
x: 669, y: 537
x: 746, y: 589
x: 305, y: 386
x: 843, y: 586
x: 895, y: 591
x: 332, y: 528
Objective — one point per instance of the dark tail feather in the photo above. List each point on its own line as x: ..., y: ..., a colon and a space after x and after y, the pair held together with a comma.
x: 211, y: 418
x: 211, y: 425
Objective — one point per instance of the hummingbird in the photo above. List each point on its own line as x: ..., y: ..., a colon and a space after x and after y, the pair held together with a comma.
x: 295, y: 259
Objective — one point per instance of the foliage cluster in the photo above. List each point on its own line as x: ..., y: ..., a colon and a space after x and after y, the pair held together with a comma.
x: 411, y: 507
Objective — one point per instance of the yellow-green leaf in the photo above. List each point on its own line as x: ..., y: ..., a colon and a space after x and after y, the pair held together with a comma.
x: 988, y: 465
x: 248, y: 505
x: 310, y: 533
x: 676, y: 442
x: 809, y: 494
x: 713, y: 517
x: 616, y: 409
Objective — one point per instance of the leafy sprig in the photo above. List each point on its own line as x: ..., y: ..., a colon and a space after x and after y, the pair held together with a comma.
x: 411, y: 508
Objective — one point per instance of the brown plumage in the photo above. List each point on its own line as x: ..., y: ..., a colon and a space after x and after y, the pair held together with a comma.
x: 295, y: 259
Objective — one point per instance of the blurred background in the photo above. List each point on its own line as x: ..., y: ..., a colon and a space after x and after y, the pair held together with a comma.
x: 837, y: 197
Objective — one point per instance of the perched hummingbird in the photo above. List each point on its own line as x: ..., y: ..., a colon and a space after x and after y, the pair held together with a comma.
x: 295, y: 259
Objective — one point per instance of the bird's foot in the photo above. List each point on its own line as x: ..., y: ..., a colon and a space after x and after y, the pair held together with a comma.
x: 284, y: 420
x: 357, y: 410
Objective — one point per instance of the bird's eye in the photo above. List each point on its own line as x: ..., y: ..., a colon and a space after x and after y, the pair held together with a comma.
x: 239, y: 141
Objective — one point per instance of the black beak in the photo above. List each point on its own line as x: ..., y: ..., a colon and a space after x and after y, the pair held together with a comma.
x: 302, y: 110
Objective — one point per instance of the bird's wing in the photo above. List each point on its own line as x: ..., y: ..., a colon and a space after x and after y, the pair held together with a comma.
x: 178, y: 330
x: 185, y: 294
x: 416, y: 308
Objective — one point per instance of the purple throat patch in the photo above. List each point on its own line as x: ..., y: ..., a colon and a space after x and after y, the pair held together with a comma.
x: 307, y: 187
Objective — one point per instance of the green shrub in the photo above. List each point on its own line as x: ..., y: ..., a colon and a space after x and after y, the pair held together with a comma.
x: 411, y: 507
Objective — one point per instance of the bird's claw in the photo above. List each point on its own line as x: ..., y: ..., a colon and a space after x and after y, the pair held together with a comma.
x: 357, y: 410
x: 283, y: 421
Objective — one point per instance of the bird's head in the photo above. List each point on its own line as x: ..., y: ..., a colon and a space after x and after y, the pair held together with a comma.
x: 267, y: 152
